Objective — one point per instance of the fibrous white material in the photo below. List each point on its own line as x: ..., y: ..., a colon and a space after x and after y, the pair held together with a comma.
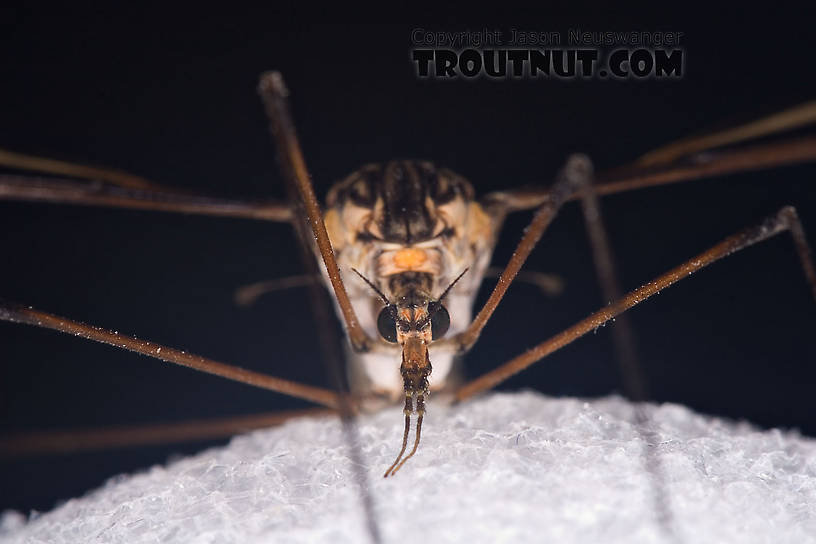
x: 505, y: 468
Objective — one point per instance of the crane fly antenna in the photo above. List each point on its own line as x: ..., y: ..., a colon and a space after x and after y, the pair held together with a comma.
x: 436, y: 305
x: 374, y: 287
x: 449, y: 287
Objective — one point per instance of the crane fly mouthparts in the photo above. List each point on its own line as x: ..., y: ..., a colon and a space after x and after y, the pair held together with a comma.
x: 415, y: 369
x: 408, y: 410
x: 391, y: 469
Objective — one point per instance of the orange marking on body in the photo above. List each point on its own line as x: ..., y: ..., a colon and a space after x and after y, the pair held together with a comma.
x: 409, y: 258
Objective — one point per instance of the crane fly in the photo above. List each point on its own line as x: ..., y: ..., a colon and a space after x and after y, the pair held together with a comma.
x: 404, y: 245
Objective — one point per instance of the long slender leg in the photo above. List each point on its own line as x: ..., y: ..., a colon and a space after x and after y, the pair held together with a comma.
x: 550, y: 200
x: 115, y: 188
x: 709, y: 164
x: 27, y: 444
x: 700, y: 166
x: 790, y: 119
x: 785, y: 219
x: 246, y: 295
x: 29, y: 316
x: 623, y: 337
x: 569, y: 181
x: 663, y: 165
x: 99, y: 193
x: 19, y: 161
x: 274, y: 94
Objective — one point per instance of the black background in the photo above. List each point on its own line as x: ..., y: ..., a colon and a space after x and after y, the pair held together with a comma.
x: 171, y: 96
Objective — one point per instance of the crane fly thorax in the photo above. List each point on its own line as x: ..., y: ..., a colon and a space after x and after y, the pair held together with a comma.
x: 400, y: 216
x: 402, y: 202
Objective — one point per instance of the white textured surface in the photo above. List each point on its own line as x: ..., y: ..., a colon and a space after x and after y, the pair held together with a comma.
x: 506, y: 468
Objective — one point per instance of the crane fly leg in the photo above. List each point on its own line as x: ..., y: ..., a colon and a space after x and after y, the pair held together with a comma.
x: 116, y: 189
x: 48, y: 442
x: 275, y: 97
x: 635, y: 385
x: 311, y: 229
x: 568, y: 183
x: 699, y: 166
x: 785, y: 219
x: 29, y: 316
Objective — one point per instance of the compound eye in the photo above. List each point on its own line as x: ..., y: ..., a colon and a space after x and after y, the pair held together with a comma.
x: 386, y: 325
x: 440, y: 321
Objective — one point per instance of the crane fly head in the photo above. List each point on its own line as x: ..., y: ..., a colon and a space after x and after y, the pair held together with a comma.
x: 413, y: 321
